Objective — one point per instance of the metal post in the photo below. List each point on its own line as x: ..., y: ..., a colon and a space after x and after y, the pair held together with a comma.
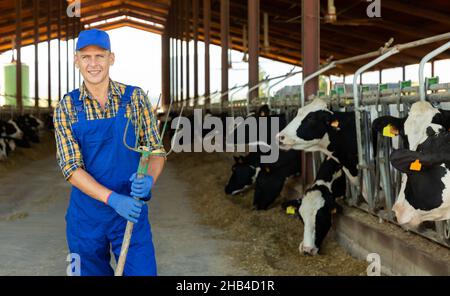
x: 172, y: 79
x: 432, y: 68
x: 206, y: 29
x: 311, y: 43
x: 311, y: 62
x: 165, y: 68
x: 188, y: 37
x: 181, y: 32
x: 36, y: 52
x: 59, y: 48
x: 73, y: 49
x: 253, y: 46
x: 79, y: 27
x: 18, y: 43
x: 171, y: 70
x: 67, y: 52
x: 176, y: 62
x: 49, y: 37
x: 224, y: 36
x: 195, y: 7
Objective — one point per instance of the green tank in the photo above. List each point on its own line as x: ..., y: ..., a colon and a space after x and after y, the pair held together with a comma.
x: 9, y: 83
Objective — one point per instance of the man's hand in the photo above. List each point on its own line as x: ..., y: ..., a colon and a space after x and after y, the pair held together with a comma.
x: 141, y: 187
x: 126, y: 206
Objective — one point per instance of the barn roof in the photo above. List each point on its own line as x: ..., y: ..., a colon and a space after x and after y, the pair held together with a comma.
x: 353, y: 32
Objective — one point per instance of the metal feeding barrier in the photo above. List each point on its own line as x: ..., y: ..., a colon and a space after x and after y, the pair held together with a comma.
x: 376, y: 171
x: 380, y: 181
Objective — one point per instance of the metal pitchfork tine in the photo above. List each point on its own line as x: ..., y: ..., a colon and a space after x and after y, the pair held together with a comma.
x: 146, y: 153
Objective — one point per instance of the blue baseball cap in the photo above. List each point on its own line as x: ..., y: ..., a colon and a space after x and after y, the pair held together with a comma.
x: 93, y: 37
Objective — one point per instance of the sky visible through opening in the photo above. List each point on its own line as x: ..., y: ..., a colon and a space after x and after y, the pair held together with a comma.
x: 138, y: 62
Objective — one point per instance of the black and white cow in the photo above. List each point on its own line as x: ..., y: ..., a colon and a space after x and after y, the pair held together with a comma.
x: 29, y: 126
x: 272, y: 176
x: 10, y: 129
x: 12, y: 135
x: 318, y: 205
x: 316, y: 128
x: 425, y: 189
x: 244, y: 172
x: 268, y: 178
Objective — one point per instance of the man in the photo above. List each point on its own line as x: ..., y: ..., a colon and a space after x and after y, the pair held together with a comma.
x: 89, y: 129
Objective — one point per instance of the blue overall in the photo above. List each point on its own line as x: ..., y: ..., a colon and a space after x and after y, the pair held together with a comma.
x: 93, y: 226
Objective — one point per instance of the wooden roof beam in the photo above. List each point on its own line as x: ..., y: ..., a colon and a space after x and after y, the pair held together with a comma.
x: 124, y: 8
x: 417, y: 11
x: 130, y: 23
x: 123, y: 13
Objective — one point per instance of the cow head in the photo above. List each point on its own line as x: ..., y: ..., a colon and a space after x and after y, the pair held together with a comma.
x: 308, y: 130
x: 12, y: 130
x: 423, y: 190
x: 243, y: 175
x: 413, y: 128
x: 40, y: 123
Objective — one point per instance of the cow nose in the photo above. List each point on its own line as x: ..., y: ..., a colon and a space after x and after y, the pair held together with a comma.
x: 281, y: 138
x: 307, y: 250
x: 310, y: 251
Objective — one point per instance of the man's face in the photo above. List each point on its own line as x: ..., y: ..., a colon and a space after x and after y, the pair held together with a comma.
x: 94, y: 63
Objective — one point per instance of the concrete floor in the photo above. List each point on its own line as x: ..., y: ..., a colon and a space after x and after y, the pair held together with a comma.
x: 33, y: 201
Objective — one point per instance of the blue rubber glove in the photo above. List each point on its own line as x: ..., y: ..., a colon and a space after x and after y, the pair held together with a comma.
x: 141, y: 187
x: 126, y: 206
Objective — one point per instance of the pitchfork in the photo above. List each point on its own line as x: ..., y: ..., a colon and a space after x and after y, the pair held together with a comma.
x: 146, y: 153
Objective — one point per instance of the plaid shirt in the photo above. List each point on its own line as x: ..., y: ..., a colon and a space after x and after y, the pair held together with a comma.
x: 68, y: 152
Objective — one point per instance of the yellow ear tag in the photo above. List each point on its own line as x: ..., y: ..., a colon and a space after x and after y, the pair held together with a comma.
x: 267, y: 169
x: 415, y: 166
x: 335, y: 123
x: 290, y: 210
x: 334, y: 211
x: 390, y: 131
